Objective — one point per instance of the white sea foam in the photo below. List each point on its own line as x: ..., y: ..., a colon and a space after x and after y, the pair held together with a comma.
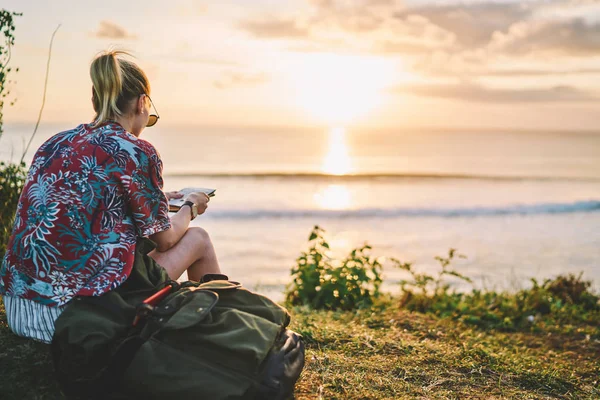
x: 529, y: 209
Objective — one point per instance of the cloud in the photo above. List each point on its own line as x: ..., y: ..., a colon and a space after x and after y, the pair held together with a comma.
x: 469, y: 92
x: 418, y: 29
x: 183, y: 51
x: 471, y: 24
x: 470, y: 38
x: 574, y: 37
x: 275, y: 28
x: 236, y: 79
x: 387, y: 26
x: 443, y: 67
x: 203, y: 60
x: 390, y: 27
x: 538, y: 72
x: 110, y: 30
x: 356, y: 5
x: 191, y: 9
x: 514, y: 29
x: 413, y: 35
x: 406, y: 47
x: 350, y: 16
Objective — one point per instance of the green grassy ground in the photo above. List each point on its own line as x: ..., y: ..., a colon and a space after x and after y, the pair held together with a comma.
x: 25, y: 367
x: 394, y: 354
x: 388, y: 353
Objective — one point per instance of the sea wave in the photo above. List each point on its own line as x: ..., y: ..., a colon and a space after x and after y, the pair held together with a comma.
x: 382, y: 176
x: 529, y: 209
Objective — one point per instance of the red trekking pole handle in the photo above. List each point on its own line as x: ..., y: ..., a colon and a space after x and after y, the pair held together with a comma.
x: 153, y: 300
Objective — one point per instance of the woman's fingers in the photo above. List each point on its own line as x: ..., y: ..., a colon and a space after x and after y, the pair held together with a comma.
x: 200, y: 199
x: 173, y: 195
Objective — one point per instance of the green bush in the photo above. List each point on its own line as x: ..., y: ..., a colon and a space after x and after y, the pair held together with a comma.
x: 12, y: 176
x: 560, y: 301
x: 323, y: 283
x: 12, y: 180
x: 7, y: 27
x: 423, y: 291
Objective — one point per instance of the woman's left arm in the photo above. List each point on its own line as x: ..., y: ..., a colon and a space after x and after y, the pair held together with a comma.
x: 179, y: 223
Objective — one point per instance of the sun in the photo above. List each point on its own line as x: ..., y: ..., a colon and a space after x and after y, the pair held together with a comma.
x: 338, y: 89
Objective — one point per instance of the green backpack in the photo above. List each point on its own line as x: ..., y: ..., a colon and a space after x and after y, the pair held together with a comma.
x: 211, y: 340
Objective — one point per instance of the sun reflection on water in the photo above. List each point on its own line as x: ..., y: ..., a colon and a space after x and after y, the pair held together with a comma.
x: 334, y: 197
x: 337, y: 160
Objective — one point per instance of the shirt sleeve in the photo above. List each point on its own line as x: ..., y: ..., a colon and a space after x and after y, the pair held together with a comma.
x: 147, y: 201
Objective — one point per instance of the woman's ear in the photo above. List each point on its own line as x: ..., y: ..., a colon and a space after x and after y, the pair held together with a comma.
x: 94, y: 99
x: 141, y: 102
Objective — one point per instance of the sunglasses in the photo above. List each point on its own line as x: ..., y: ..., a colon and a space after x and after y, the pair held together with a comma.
x: 153, y: 118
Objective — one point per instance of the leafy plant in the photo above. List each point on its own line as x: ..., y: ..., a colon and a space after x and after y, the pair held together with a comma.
x: 571, y: 289
x: 12, y: 176
x: 424, y: 290
x: 324, y: 283
x: 563, y: 300
x: 12, y: 180
x: 7, y: 28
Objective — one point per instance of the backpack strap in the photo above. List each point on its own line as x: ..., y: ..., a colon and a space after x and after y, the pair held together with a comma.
x: 282, y: 368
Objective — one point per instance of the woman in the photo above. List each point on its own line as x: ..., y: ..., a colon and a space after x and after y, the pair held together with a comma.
x: 90, y: 193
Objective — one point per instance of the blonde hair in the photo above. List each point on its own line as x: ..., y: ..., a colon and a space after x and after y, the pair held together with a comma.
x: 115, y: 83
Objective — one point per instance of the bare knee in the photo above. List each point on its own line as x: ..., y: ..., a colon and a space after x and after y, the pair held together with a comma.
x: 199, y: 234
x: 200, y: 238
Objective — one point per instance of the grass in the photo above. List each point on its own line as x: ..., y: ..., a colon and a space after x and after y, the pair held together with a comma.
x: 389, y: 353
x: 25, y: 367
x: 395, y: 354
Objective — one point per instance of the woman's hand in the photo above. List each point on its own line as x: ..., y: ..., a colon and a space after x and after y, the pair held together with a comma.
x: 200, y: 199
x: 173, y: 195
x: 180, y: 221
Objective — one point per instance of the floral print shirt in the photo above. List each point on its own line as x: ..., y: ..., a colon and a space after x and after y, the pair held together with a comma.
x: 90, y: 193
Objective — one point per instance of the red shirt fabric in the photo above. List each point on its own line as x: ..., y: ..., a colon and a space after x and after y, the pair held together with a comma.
x: 90, y: 193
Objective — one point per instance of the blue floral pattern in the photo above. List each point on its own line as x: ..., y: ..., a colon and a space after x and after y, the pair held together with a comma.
x: 90, y: 193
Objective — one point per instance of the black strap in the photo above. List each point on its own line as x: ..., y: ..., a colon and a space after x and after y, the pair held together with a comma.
x: 283, y: 368
x: 213, y: 277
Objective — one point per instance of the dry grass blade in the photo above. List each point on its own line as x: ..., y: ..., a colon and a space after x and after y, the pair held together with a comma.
x: 37, y: 124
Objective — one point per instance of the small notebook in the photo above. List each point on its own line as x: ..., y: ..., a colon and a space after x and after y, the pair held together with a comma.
x: 175, y: 204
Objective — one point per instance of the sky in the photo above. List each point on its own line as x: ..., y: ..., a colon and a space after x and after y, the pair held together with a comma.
x: 365, y: 63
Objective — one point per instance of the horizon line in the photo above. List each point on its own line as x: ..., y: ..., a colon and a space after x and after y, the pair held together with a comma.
x: 378, y: 175
x: 359, y: 127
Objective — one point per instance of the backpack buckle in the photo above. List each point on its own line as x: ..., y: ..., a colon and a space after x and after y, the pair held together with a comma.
x: 147, y: 306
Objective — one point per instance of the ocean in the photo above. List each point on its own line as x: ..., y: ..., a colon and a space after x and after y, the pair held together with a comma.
x: 517, y: 204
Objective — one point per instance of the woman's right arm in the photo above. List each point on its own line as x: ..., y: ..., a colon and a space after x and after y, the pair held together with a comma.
x: 179, y: 223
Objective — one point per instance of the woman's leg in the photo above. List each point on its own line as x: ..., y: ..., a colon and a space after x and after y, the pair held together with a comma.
x: 194, y: 253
